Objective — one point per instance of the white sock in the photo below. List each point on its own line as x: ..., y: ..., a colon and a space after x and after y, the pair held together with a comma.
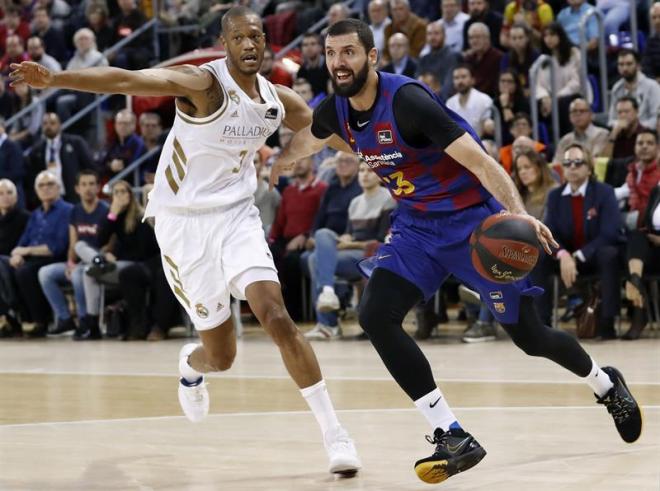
x: 319, y: 402
x: 435, y: 409
x: 187, y: 372
x: 599, y: 381
x: 329, y: 289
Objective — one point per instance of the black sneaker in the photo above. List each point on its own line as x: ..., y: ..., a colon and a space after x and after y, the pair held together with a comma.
x: 99, y: 267
x: 623, y: 407
x: 456, y: 451
x: 64, y: 326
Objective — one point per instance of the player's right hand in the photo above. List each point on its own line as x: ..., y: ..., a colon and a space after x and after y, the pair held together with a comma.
x: 279, y: 168
x: 33, y: 74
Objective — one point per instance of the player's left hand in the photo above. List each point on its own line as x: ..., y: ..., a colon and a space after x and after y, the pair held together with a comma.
x: 279, y: 168
x: 543, y: 233
x: 33, y: 74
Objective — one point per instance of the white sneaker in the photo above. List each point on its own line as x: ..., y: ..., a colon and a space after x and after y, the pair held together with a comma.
x: 193, y: 397
x: 341, y: 452
x: 322, y: 332
x: 328, y: 301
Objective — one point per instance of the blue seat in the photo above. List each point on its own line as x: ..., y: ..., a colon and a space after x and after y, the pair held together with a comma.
x: 597, y: 103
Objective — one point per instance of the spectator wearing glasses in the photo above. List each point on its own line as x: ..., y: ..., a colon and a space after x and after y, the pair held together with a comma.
x: 583, y: 216
x: 593, y: 138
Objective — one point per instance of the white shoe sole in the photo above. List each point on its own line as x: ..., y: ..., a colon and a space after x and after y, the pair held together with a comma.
x: 482, y: 339
x: 346, y: 466
x: 326, y: 308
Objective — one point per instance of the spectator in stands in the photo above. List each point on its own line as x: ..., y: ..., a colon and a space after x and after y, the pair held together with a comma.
x: 15, y: 53
x: 337, y: 11
x: 584, y: 218
x: 292, y: 227
x: 267, y: 201
x: 480, y: 12
x: 616, y: 13
x: 405, y: 22
x: 137, y: 53
x: 304, y: 89
x: 63, y: 154
x: 313, y: 67
x: 635, y: 84
x: 87, y: 217
x: 569, y: 18
x: 432, y: 82
x: 567, y: 79
x: 521, y: 130
x: 11, y: 163
x: 378, y: 21
x: 44, y: 241
x: 534, y: 14
x: 440, y: 60
x: 13, y: 25
x: 58, y: 10
x: 453, y: 20
x: 13, y: 220
x: 651, y: 55
x: 621, y: 141
x: 96, y: 14
x: 534, y: 181
x: 26, y: 129
x: 400, y: 61
x: 86, y: 56
x: 593, y: 138
x: 509, y: 101
x: 52, y: 36
x: 338, y: 255
x: 643, y: 259
x: 642, y: 178
x: 471, y: 104
x: 37, y: 53
x: 153, y: 136
x: 272, y: 71
x: 132, y: 240
x: 521, y: 55
x: 9, y: 101
x: 127, y: 148
x: 483, y: 58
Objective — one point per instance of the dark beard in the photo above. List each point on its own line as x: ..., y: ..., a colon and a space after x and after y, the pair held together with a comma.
x: 630, y: 78
x: 359, y: 79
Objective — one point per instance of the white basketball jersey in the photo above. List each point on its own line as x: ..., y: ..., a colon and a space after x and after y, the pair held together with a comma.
x: 208, y: 162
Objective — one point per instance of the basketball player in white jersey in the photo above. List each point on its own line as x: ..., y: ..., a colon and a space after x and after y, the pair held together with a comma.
x: 207, y: 226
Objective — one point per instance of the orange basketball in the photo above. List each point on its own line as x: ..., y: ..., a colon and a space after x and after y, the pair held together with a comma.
x: 504, y: 248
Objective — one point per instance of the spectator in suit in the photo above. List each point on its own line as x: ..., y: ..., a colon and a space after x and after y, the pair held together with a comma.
x: 584, y: 219
x: 378, y: 21
x: 313, y: 67
x: 440, y: 60
x: 96, y: 15
x: 37, y: 53
x: 52, y: 36
x: 635, y: 84
x: 85, y: 224
x: 9, y: 101
x: 44, y: 241
x: 14, y: 53
x: 11, y: 163
x: 643, y: 259
x: 13, y: 25
x: 338, y: 255
x: 405, y: 22
x: 137, y: 53
x: 480, y: 12
x: 63, y: 154
x: 26, y: 130
x: 127, y: 147
x: 292, y: 228
x: 483, y: 58
x: 12, y: 225
x: 471, y: 104
x: 593, y: 138
x: 400, y: 61
x: 453, y: 20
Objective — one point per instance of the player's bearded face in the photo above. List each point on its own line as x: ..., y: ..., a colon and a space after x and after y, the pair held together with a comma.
x: 347, y: 83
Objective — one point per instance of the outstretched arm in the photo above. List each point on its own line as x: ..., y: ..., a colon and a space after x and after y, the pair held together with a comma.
x: 178, y: 81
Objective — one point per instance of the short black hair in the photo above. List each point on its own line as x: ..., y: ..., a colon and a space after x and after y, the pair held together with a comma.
x: 463, y: 66
x: 648, y: 131
x: 627, y: 51
x: 628, y: 98
x: 234, y: 12
x: 519, y: 116
x: 87, y: 172
x: 350, y: 26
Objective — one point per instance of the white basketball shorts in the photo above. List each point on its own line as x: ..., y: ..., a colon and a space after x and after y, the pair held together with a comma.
x: 209, y: 255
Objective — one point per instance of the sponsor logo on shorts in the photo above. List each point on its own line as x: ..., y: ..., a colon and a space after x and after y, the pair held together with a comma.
x: 500, y: 308
x: 496, y: 295
x: 201, y: 311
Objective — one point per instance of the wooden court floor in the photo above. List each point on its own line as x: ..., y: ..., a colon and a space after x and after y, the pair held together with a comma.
x: 105, y: 416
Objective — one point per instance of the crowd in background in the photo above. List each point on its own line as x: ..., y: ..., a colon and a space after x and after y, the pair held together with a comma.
x: 66, y: 245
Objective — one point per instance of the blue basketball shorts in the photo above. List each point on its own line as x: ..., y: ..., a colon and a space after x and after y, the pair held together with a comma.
x: 425, y: 250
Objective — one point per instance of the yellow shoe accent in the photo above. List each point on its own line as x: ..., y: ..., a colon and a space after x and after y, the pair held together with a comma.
x: 432, y: 472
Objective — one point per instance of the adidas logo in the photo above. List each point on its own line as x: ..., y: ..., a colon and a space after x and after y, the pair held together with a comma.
x: 234, y: 114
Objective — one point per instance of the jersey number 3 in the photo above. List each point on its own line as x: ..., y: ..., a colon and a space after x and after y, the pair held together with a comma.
x: 402, y: 186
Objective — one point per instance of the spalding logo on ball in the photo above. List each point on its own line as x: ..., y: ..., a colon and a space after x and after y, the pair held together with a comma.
x: 504, y: 248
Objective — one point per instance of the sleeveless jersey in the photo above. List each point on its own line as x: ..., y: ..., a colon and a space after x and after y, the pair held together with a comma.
x: 420, y: 179
x: 208, y: 162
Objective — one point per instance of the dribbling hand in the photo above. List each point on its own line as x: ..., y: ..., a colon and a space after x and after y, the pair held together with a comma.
x: 543, y: 233
x: 31, y: 73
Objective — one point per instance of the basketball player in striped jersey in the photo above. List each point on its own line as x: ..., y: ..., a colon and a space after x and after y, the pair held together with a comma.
x: 207, y: 226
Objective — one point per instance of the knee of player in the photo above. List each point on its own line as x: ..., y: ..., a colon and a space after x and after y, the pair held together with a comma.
x: 370, y: 316
x: 278, y: 324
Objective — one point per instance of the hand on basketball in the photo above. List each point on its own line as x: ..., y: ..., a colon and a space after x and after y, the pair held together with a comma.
x: 568, y: 270
x: 31, y: 73
x: 543, y: 233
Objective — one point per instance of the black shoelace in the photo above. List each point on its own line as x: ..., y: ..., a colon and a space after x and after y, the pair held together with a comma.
x: 438, y: 441
x: 619, y: 407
